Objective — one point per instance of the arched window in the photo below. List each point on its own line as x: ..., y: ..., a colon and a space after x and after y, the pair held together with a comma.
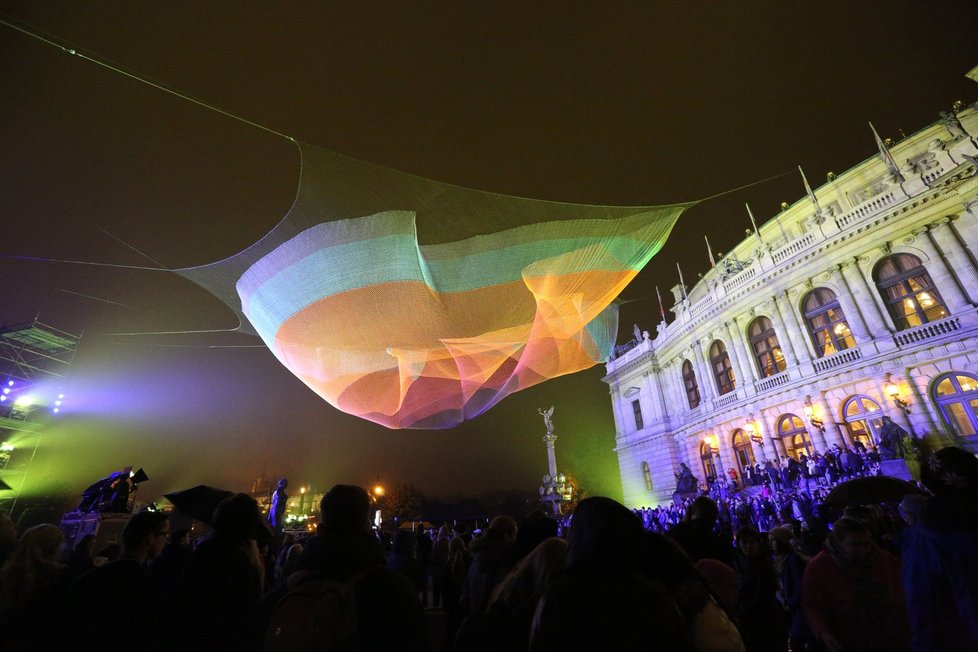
x: 706, y: 456
x: 826, y: 322
x: 956, y: 395
x: 767, y: 350
x: 794, y: 436
x: 864, y: 418
x: 743, y: 450
x: 908, y: 291
x: 722, y: 369
x: 647, y: 474
x: 689, y: 382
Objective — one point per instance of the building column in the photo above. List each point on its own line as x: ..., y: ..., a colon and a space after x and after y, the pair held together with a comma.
x: 944, y: 279
x: 854, y: 316
x: 652, y: 381
x: 957, y: 257
x: 769, y: 434
x: 889, y: 407
x: 785, y: 340
x: 817, y: 435
x: 831, y: 421
x: 877, y: 322
x: 708, y: 390
x: 679, y: 386
x: 616, y: 410
x: 796, y: 328
x: 744, y: 366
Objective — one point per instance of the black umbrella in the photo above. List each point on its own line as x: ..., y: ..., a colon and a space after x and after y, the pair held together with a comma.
x: 871, y: 490
x: 199, y: 502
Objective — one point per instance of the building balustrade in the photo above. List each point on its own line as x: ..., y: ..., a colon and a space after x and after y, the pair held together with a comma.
x: 794, y: 247
x: 777, y: 380
x: 725, y: 400
x: 866, y: 209
x: 836, y: 360
x: 927, y: 331
x: 740, y: 279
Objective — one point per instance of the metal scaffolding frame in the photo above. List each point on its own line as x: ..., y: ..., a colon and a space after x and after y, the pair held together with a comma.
x: 30, y: 354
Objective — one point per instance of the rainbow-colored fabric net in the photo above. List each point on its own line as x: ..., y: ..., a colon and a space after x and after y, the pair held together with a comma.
x: 416, y: 304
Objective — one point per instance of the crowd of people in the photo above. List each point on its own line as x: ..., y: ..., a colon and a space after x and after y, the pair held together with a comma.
x: 731, y: 576
x: 773, y: 491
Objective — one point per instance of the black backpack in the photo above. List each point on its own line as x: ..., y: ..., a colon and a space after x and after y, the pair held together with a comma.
x: 318, y: 615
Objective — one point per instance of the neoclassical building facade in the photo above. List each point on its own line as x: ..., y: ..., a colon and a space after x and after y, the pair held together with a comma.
x: 857, y: 302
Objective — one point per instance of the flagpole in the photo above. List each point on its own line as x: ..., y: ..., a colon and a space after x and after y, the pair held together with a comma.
x: 662, y: 310
x: 682, y: 283
x: 757, y: 231
x: 808, y: 189
x: 886, y: 156
x: 709, y: 250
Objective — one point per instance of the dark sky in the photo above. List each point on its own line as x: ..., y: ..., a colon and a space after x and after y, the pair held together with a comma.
x: 606, y: 103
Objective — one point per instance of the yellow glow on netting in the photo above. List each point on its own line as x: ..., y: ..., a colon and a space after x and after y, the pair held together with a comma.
x: 417, y: 304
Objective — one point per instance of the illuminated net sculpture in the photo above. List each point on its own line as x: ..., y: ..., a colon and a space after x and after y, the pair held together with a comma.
x: 417, y: 304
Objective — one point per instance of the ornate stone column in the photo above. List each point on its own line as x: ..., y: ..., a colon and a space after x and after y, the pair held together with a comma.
x: 832, y: 428
x: 680, y: 384
x: 785, y: 341
x: 745, y: 367
x: 889, y: 407
x: 877, y: 322
x: 769, y: 433
x: 707, y: 388
x: 958, y: 258
x: 796, y: 329
x: 652, y: 382
x: 616, y: 410
x: 943, y: 276
x: 854, y: 316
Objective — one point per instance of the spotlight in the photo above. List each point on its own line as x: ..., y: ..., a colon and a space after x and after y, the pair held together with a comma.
x: 57, y: 403
x: 10, y: 383
x: 61, y: 395
x: 56, y: 410
x: 6, y: 390
x: 3, y: 397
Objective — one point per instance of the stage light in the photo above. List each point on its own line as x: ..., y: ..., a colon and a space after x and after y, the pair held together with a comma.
x: 57, y: 403
x: 56, y: 410
x: 24, y: 401
x: 61, y: 395
x: 6, y: 390
x: 3, y: 397
x: 10, y: 383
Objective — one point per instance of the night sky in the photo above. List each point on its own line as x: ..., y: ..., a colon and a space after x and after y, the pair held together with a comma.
x: 603, y: 103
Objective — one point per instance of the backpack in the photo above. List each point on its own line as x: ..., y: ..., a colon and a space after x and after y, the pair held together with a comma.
x: 318, y: 615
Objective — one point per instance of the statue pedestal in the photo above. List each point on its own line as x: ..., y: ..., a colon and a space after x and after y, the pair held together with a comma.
x: 678, y: 497
x: 896, y: 468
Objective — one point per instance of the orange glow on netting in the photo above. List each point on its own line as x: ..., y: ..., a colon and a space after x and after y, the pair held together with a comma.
x: 417, y: 304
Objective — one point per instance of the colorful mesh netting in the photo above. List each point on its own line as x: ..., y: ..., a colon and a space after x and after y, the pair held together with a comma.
x: 417, y: 304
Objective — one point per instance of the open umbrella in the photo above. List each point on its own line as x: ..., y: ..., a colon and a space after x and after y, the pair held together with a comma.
x: 199, y: 502
x: 871, y: 490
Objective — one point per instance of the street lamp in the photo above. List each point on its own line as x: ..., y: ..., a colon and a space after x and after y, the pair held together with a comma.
x: 752, y: 433
x: 894, y: 392
x: 813, y: 418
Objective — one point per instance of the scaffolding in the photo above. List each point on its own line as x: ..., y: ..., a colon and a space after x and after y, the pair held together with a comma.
x: 34, y: 360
